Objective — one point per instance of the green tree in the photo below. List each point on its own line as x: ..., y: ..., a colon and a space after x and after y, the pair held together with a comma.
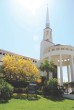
x: 1, y: 71
x: 48, y: 67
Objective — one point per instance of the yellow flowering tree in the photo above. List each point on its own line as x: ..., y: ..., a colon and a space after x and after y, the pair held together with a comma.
x: 15, y: 67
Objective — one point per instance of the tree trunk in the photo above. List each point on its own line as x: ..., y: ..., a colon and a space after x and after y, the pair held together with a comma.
x: 47, y: 75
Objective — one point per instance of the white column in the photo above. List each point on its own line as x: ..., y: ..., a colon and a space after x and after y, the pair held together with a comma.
x: 72, y: 68
x: 68, y: 73
x: 58, y: 74
x: 61, y: 71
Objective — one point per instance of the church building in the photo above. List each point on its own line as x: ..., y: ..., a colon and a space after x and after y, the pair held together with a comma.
x: 61, y: 55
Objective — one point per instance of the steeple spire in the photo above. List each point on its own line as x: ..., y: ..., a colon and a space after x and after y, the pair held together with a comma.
x: 47, y: 18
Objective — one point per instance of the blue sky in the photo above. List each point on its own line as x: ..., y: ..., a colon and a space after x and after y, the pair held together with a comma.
x: 22, y: 23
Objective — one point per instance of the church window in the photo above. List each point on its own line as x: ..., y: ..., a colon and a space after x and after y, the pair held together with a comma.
x: 71, y: 49
x: 53, y: 49
x: 0, y: 60
x: 67, y: 49
x: 47, y: 33
x: 3, y: 53
x: 57, y: 48
x: 62, y: 48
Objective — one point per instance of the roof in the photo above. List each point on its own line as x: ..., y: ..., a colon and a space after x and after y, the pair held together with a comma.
x: 11, y: 53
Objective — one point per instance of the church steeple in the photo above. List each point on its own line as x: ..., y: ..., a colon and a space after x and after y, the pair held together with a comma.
x: 47, y: 18
x: 47, y: 30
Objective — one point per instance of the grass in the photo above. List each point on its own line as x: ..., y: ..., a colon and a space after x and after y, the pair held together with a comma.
x: 40, y: 104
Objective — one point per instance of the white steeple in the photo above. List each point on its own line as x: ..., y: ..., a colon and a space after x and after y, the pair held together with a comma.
x: 47, y: 18
x: 47, y: 30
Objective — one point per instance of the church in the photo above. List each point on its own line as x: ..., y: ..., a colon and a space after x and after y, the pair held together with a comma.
x: 61, y: 55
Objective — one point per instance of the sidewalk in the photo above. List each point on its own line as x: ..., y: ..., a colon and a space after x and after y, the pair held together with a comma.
x: 69, y: 96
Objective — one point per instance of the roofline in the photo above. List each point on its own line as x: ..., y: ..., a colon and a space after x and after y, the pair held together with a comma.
x: 12, y: 53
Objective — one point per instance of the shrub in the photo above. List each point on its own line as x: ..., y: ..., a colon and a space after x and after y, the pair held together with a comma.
x: 51, y: 89
x: 39, y: 92
x: 19, y: 96
x: 18, y: 83
x: 19, y: 90
x: 6, y: 90
x: 46, y: 91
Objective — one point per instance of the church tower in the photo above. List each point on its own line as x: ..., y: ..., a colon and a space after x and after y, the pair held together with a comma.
x: 47, y: 30
x: 47, y: 37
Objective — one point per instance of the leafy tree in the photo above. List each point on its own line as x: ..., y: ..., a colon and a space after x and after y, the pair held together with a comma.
x: 48, y: 67
x: 15, y: 67
x: 1, y: 71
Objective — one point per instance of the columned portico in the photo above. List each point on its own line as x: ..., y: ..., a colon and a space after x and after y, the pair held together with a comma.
x: 61, y: 55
